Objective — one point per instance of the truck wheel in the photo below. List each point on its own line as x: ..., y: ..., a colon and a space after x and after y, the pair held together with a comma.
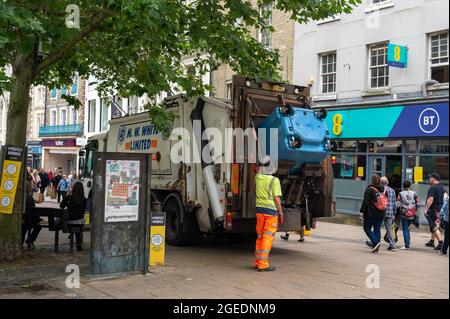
x: 174, y: 227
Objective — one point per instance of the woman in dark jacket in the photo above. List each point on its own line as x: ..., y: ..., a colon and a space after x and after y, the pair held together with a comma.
x: 30, y: 220
x: 76, y: 207
x: 373, y: 218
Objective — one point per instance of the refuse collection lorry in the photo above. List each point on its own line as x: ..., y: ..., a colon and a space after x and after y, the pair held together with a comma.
x: 203, y: 169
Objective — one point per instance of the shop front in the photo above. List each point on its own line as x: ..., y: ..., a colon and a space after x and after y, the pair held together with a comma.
x: 400, y: 142
x: 34, y: 154
x: 60, y: 154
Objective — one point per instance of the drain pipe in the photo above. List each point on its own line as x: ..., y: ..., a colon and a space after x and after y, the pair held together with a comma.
x: 425, y: 85
x: 208, y: 175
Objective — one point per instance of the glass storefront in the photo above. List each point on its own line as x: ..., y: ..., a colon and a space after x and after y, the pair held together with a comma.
x: 354, y: 162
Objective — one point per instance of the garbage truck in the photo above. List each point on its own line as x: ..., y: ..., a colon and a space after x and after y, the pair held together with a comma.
x: 203, y: 168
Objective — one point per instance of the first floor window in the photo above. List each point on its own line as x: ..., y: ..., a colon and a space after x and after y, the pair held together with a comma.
x: 53, y: 93
x: 378, y: 66
x: 91, y: 115
x: 265, y: 35
x: 53, y: 117
x: 439, y: 57
x: 228, y: 88
x: 63, y: 117
x: 104, y: 112
x: 74, y: 115
x: 328, y: 72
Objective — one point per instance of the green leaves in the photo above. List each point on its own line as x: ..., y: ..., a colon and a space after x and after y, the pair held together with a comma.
x: 141, y: 46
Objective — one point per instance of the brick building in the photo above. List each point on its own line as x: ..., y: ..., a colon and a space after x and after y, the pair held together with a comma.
x: 282, y: 39
x: 63, y: 128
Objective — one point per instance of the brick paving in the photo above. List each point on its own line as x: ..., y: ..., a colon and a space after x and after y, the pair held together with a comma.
x: 331, y: 263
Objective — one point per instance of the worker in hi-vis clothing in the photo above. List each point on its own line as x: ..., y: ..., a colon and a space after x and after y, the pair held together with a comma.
x: 268, y: 207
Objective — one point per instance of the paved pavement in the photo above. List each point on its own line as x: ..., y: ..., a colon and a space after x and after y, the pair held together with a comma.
x: 331, y: 263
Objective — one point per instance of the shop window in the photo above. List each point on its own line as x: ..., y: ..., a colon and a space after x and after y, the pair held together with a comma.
x: 411, y: 146
x: 433, y: 147
x: 385, y: 146
x: 435, y: 164
x: 344, y: 166
x: 345, y: 146
x: 362, y: 147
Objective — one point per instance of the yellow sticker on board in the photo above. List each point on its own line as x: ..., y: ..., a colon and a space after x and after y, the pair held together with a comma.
x: 361, y: 171
x: 418, y: 174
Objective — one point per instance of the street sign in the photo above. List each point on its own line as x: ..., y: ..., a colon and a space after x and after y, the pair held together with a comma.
x: 10, y: 177
x: 397, y: 56
x: 157, y: 239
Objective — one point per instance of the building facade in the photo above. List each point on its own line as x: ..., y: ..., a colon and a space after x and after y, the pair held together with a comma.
x: 63, y: 127
x: 281, y: 39
x: 382, y: 74
x: 36, y: 115
x: 99, y: 111
x: 4, y: 102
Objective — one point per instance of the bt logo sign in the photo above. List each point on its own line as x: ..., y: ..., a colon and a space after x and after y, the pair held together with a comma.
x: 429, y: 120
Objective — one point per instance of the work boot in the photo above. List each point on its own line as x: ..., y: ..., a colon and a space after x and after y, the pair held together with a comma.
x: 270, y: 268
x: 430, y: 243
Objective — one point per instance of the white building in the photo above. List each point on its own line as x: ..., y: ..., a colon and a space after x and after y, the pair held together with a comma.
x: 384, y: 119
x: 4, y: 102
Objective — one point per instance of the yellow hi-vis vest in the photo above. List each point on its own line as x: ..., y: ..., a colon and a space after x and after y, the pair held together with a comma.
x: 267, y: 188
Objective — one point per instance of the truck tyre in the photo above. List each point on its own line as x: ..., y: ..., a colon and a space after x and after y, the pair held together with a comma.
x: 175, y: 226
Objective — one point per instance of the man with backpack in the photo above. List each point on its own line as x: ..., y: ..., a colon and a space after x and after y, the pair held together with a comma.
x: 373, y: 210
x: 390, y: 212
x: 407, y: 201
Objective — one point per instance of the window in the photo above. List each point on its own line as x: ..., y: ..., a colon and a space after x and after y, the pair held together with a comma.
x: 380, y: 1
x: 104, y: 115
x: 53, y: 94
x: 346, y: 146
x: 73, y: 116
x: 328, y: 72
x: 439, y: 57
x: 435, y: 164
x: 63, y: 113
x: 63, y: 90
x: 389, y: 146
x: 433, y: 147
x: 74, y: 87
x: 133, y: 107
x: 228, y: 88
x: 265, y: 35
x: 53, y: 117
x: 344, y: 166
x: 411, y: 146
x: 91, y: 116
x: 41, y: 119
x: 378, y: 67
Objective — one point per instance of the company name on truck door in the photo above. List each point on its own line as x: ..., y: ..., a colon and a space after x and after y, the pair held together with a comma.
x: 137, y: 137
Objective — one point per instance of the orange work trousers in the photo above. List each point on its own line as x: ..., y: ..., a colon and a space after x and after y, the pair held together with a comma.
x: 266, y: 227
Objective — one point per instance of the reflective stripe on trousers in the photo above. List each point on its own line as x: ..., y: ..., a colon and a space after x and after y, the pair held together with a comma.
x: 266, y: 227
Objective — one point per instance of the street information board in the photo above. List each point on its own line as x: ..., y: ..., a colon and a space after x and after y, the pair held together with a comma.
x: 157, y: 239
x: 10, y: 177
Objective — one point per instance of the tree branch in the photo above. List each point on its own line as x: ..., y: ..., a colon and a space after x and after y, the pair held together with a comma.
x: 56, y: 55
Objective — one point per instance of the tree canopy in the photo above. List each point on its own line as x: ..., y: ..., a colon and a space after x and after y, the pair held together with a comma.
x: 138, y: 46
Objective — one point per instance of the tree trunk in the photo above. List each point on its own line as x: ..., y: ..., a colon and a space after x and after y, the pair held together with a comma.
x: 11, y: 225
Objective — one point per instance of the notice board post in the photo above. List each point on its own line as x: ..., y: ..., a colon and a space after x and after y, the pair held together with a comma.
x: 120, y: 197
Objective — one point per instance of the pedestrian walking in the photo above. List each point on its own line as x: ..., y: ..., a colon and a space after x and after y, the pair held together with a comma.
x: 268, y: 206
x: 50, y: 176
x: 30, y: 221
x: 373, y: 210
x: 44, y: 180
x: 56, y: 179
x: 435, y: 199
x: 63, y: 187
x: 390, y: 212
x: 76, y: 207
x: 73, y: 181
x: 36, y: 182
x: 443, y: 215
x: 407, y: 201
